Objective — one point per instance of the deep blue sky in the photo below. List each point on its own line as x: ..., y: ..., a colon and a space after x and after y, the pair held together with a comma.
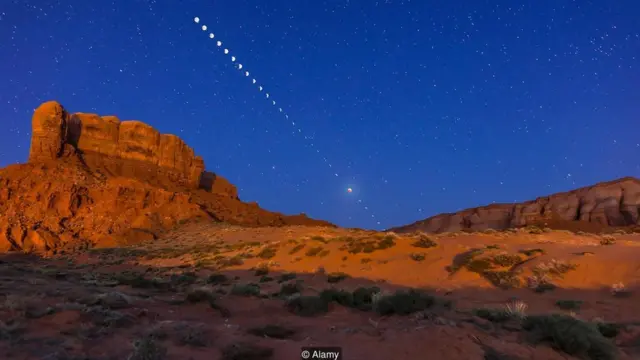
x: 421, y: 106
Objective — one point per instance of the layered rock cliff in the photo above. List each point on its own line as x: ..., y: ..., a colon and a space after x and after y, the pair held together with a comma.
x: 123, y: 148
x: 608, y: 204
x: 94, y: 180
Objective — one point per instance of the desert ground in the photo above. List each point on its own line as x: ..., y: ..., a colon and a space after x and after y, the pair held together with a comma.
x: 213, y: 291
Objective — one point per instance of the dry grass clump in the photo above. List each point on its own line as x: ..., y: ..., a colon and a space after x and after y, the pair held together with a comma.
x: 607, y: 240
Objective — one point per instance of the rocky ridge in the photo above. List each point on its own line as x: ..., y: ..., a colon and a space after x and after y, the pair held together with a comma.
x: 593, y: 208
x: 99, y: 181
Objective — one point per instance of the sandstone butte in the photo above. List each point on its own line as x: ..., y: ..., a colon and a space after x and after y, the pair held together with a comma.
x: 97, y: 181
x: 591, y: 209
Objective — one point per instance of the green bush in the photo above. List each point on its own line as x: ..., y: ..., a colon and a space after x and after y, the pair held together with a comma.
x: 403, y: 302
x: 307, y: 305
x: 570, y: 335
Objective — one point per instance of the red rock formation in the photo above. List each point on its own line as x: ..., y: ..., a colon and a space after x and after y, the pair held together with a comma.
x: 95, y: 180
x: 608, y: 204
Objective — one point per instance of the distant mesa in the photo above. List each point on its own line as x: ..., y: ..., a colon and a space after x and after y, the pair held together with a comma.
x: 97, y: 181
x: 592, y: 209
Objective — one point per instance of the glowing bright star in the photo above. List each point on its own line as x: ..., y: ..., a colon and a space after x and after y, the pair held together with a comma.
x: 349, y: 190
x: 196, y: 19
x: 226, y: 51
x: 219, y: 43
x: 211, y: 36
x: 204, y: 27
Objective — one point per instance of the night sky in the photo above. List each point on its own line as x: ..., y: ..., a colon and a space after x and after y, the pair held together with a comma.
x: 421, y: 107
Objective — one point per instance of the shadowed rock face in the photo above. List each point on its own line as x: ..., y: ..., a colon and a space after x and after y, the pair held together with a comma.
x: 608, y: 204
x: 95, y: 180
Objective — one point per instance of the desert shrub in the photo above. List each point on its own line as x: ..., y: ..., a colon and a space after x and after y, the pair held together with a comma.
x: 323, y: 253
x: 319, y: 238
x: 230, y: 261
x: 478, y: 265
x: 368, y: 248
x: 186, y: 278
x: 336, y: 277
x: 493, y: 315
x: 569, y: 304
x: 570, y: 335
x: 516, y: 309
x: 192, y: 335
x: 553, y: 267
x: 505, y: 260
x: 363, y: 297
x: 463, y: 259
x: 403, y: 302
x: 386, y: 242
x: 245, y: 290
x: 532, y: 252
x: 198, y: 295
x: 286, y: 277
x: 246, y: 351
x: 287, y: 289
x: 533, y: 229
x: 268, y: 252
x: 492, y: 247
x: 365, y: 260
x: 307, y: 305
x: 424, y: 242
x: 296, y: 249
x: 265, y: 279
x: 147, y: 348
x: 216, y: 279
x: 417, y: 256
x: 261, y: 270
x: 607, y: 240
x: 314, y: 251
x: 608, y: 330
x: 493, y: 354
x: 272, y: 331
x: 544, y: 287
x: 135, y: 281
x: 502, y: 279
x: 342, y: 297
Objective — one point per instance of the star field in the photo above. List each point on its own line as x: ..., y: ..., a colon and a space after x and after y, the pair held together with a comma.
x: 421, y: 107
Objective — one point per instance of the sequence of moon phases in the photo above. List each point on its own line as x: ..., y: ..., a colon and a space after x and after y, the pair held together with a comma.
x: 246, y: 73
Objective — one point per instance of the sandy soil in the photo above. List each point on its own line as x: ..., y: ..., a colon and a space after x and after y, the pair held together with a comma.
x: 210, y: 291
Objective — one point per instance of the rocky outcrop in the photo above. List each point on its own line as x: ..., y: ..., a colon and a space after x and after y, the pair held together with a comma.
x: 95, y: 180
x: 132, y: 148
x: 609, y: 204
